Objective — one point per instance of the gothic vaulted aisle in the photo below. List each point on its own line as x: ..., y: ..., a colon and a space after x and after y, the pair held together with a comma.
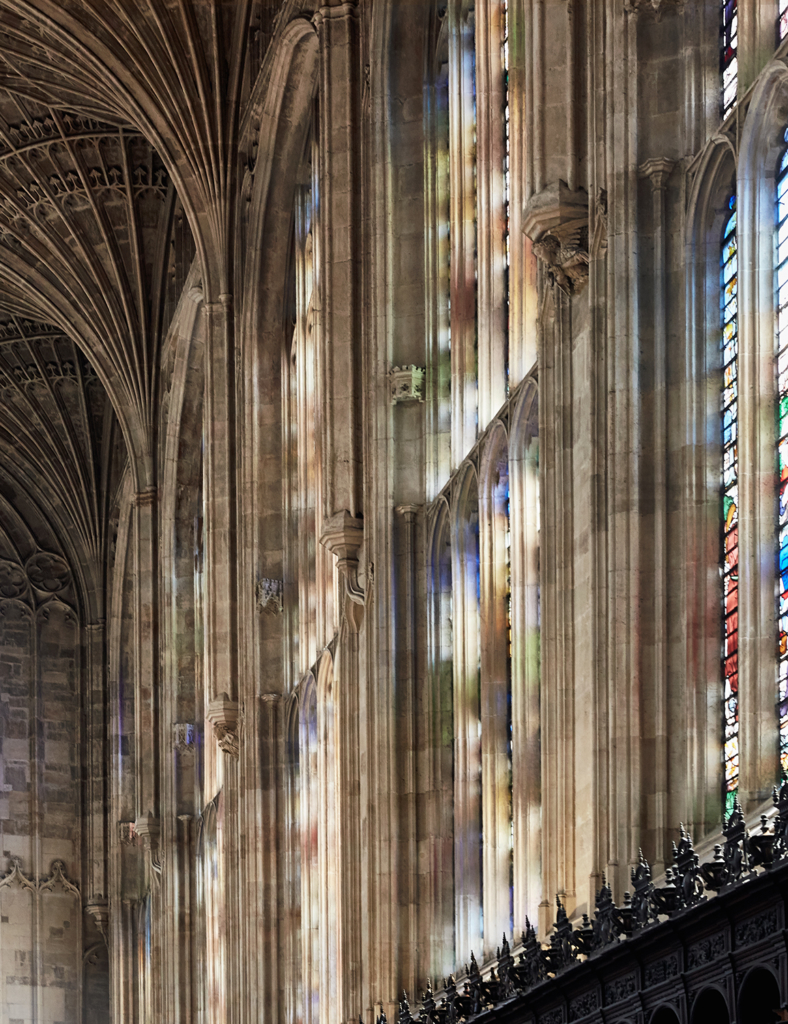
x: 393, y: 511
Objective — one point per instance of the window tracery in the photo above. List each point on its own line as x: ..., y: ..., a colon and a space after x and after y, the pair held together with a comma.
x: 781, y: 329
x: 730, y: 502
x: 729, y: 61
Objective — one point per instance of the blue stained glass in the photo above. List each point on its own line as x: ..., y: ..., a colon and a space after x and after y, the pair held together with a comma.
x: 730, y: 544
x: 781, y: 337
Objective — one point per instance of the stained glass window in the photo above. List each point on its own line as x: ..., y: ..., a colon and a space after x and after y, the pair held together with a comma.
x: 730, y: 503
x: 507, y: 169
x: 728, y: 55
x: 782, y: 22
x: 781, y: 287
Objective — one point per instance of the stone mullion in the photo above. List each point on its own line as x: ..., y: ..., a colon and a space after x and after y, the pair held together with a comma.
x: 496, y: 801
x: 467, y: 752
x: 463, y: 234
x: 490, y: 143
x: 266, y: 925
x: 525, y: 670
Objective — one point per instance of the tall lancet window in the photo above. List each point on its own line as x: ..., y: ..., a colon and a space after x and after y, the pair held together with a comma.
x: 730, y: 503
x: 782, y: 20
x: 506, y: 172
x: 781, y: 287
x: 728, y: 55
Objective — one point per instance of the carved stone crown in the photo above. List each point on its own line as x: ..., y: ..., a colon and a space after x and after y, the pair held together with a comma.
x: 407, y: 383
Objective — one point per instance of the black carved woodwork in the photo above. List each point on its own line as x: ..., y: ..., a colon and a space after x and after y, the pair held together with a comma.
x: 664, y: 945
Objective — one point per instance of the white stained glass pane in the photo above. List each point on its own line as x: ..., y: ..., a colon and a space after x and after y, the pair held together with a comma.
x: 782, y: 230
x: 782, y: 362
x: 730, y: 269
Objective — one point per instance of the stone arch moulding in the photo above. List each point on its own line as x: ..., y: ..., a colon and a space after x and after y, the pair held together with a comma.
x: 495, y: 527
x: 762, y: 145
x: 696, y: 687
x: 468, y: 785
x: 710, y: 1004
x: 525, y: 496
x: 273, y: 134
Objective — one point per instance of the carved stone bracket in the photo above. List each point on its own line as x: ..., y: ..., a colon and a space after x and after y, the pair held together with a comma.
x: 556, y: 221
x: 658, y: 171
x: 224, y: 715
x: 98, y: 909
x: 407, y: 384
x: 148, y: 828
x: 269, y: 595
x: 343, y: 535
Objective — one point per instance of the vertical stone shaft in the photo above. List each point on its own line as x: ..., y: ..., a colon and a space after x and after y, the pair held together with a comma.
x: 146, y: 662
x: 657, y: 171
x: 623, y: 446
x: 219, y: 489
x: 96, y: 703
x: 339, y: 218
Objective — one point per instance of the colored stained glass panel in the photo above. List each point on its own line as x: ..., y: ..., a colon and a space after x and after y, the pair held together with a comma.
x: 781, y: 327
x: 782, y: 19
x: 730, y: 502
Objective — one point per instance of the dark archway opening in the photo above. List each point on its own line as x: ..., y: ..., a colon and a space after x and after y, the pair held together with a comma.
x: 665, y: 1015
x: 759, y: 998
x: 710, y: 1006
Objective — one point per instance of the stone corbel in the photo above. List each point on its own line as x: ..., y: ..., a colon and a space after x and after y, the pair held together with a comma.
x: 148, y: 828
x: 343, y: 535
x: 98, y: 909
x: 556, y: 221
x: 224, y: 716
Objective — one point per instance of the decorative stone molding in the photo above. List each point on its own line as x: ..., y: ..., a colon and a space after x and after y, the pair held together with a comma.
x: 343, y: 535
x: 270, y: 596
x: 407, y: 384
x: 658, y: 170
x: 183, y: 736
x: 15, y: 876
x: 148, y: 828
x: 556, y: 221
x: 127, y: 834
x: 655, y: 7
x: 224, y: 714
x: 48, y: 573
x: 55, y: 879
x: 98, y: 909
